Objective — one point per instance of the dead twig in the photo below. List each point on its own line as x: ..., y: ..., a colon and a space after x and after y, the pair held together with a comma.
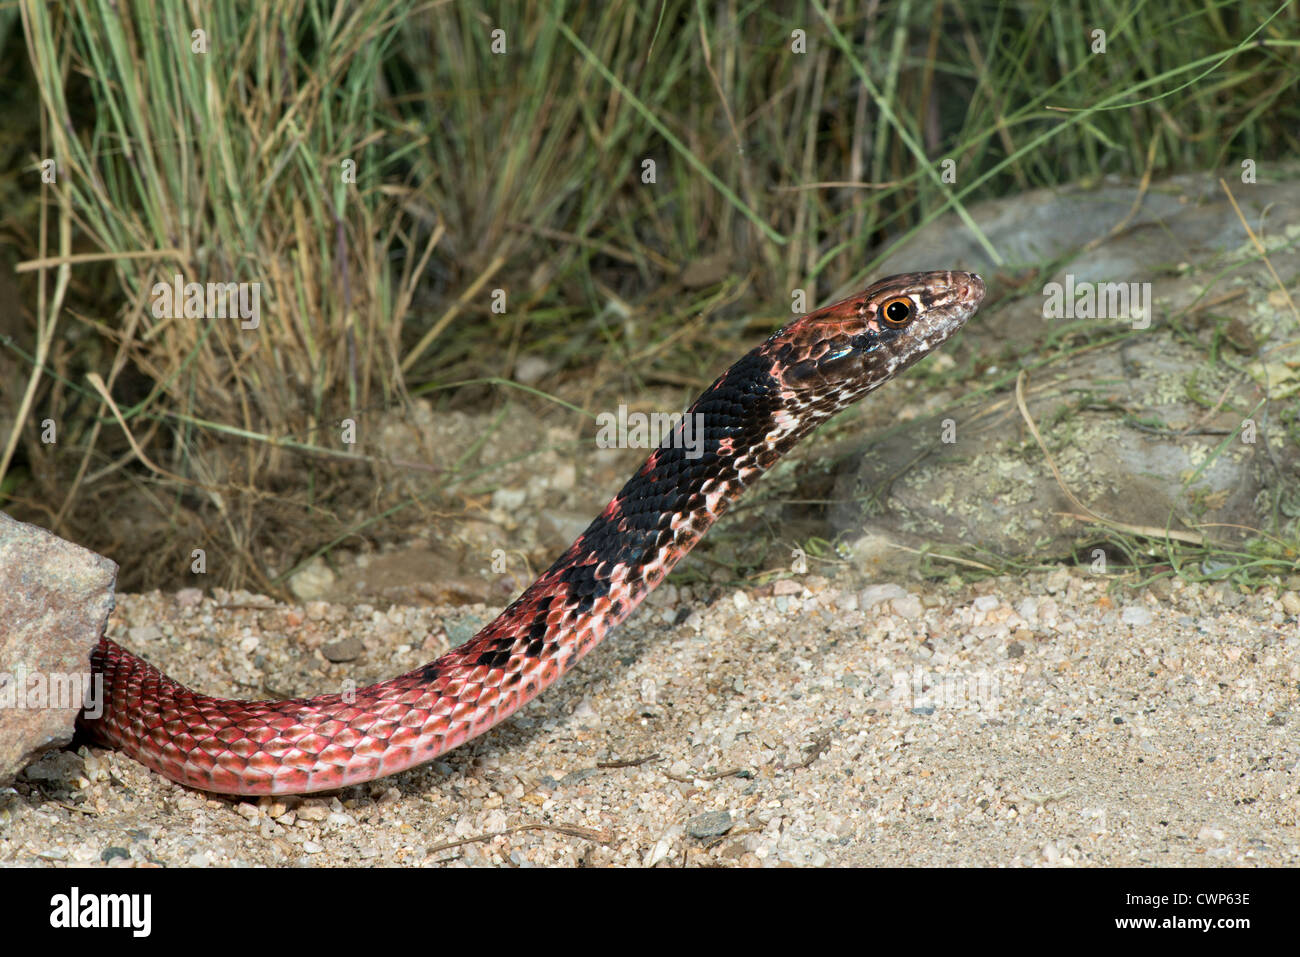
x: 627, y: 762
x: 571, y: 830
x: 814, y: 751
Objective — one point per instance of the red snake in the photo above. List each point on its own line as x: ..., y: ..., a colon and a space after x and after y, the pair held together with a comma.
x: 751, y: 416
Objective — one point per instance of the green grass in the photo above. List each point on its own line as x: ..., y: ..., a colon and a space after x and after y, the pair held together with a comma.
x: 519, y: 171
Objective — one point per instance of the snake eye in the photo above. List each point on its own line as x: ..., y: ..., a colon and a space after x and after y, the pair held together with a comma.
x: 897, y: 312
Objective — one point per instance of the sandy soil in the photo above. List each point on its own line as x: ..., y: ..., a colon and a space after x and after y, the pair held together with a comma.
x: 1016, y: 722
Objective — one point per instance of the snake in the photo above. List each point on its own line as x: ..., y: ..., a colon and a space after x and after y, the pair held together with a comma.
x: 807, y: 371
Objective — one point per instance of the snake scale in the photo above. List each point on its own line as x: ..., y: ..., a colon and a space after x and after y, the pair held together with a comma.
x: 752, y: 415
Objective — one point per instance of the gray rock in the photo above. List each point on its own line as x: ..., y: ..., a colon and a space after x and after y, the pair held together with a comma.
x: 345, y: 649
x: 59, y: 768
x: 55, y: 599
x: 1140, y: 422
x: 709, y: 824
x: 1043, y: 224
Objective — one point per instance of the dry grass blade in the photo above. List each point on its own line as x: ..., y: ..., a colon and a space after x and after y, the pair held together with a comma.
x: 98, y: 384
x: 1263, y: 252
x: 447, y: 317
x: 472, y: 167
x: 48, y: 318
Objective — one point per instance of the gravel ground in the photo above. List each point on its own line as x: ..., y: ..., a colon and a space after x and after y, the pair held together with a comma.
x: 1038, y: 721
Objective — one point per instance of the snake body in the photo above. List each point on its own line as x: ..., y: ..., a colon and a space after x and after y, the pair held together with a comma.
x: 803, y: 374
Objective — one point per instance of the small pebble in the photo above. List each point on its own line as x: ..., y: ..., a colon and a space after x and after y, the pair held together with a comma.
x: 1136, y: 615
x: 345, y: 649
x: 709, y: 824
x: 874, y: 595
x: 649, y: 691
x: 141, y: 634
x: 909, y: 606
x: 509, y: 499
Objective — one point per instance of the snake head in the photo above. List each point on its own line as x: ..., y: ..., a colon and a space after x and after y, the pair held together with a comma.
x: 850, y: 347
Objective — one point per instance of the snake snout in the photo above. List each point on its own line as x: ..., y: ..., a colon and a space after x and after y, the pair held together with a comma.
x: 969, y: 286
